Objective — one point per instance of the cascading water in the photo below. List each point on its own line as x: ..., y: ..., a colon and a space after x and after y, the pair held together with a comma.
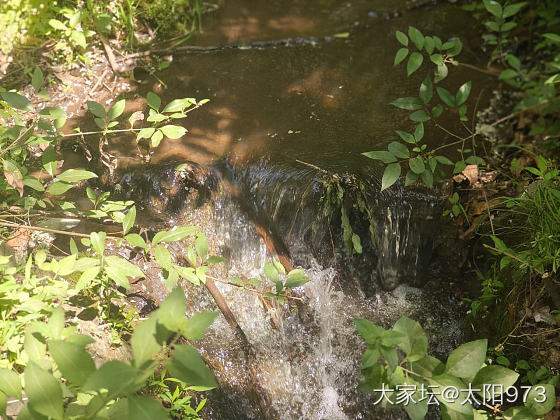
x: 307, y: 352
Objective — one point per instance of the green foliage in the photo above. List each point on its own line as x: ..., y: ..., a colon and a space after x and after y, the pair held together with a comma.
x: 347, y: 194
x: 396, y: 365
x: 535, y: 77
x: 68, y: 385
x: 174, y: 394
x: 534, y: 241
x: 410, y: 153
x: 38, y: 345
x: 74, y: 26
x: 283, y: 281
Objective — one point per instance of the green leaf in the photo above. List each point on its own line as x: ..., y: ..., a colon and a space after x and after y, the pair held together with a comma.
x: 279, y: 266
x: 154, y: 101
x: 49, y: 160
x: 512, y: 9
x: 428, y: 366
x: 402, y: 38
x: 514, y: 62
x: 446, y: 96
x: 417, y: 165
x: 17, y: 101
x: 463, y: 94
x: 429, y: 44
x: 443, y: 160
x: 507, y: 74
x: 178, y: 105
x: 297, y: 277
x: 146, y: 340
x: 171, y: 313
x: 136, y: 240
x: 75, y: 175
x: 44, y: 391
x: 129, y: 219
x: 201, y: 245
x: 270, y: 272
x: 414, y: 62
x: 156, y: 138
x: 87, y: 276
x: 541, y: 399
x: 118, y: 378
x: 116, y: 110
x: 443, y: 381
x: 173, y: 131
x: 197, y: 324
x: 145, y: 133
x: 399, y: 150
x: 96, y: 109
x: 57, y: 24
x: 34, y: 345
x: 130, y: 269
x: 427, y: 178
x: 78, y: 38
x: 408, y: 103
x: 145, y: 408
x: 414, y: 342
x: 493, y: 7
x: 369, y: 358
x: 58, y: 188
x: 440, y: 73
x: 98, y: 241
x: 496, y: 375
x: 188, y: 366
x: 410, y: 179
x: 426, y: 90
x: 519, y: 413
x: 475, y: 160
x: 32, y: 182
x: 73, y: 361
x: 420, y: 116
x: 407, y: 137
x: 163, y: 257
x: 416, y: 37
x: 459, y: 167
x: 368, y: 330
x: 466, y: 360
x: 188, y: 274
x: 401, y: 54
x: 437, y: 59
x: 37, y: 79
x: 553, y: 37
x: 419, y: 132
x: 390, y: 175
x: 390, y: 355
x: 175, y: 234
x: 10, y: 383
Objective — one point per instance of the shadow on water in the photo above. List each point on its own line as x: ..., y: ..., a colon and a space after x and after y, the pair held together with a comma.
x: 273, y: 107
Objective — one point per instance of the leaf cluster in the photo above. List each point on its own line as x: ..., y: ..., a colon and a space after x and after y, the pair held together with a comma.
x: 399, y: 357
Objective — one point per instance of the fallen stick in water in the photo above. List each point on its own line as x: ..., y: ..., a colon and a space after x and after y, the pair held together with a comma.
x: 258, y: 393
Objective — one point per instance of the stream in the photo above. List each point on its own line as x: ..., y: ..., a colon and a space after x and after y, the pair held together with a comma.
x: 280, y: 118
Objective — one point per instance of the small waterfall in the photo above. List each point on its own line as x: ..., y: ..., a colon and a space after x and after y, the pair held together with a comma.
x: 307, y: 352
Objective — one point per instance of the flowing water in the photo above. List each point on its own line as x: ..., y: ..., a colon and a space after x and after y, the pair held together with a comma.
x: 280, y: 118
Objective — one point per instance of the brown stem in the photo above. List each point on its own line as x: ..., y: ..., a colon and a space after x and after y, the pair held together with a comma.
x: 110, y: 56
x: 56, y: 231
x: 481, y: 70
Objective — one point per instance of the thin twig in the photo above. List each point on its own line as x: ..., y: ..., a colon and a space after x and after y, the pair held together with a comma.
x: 56, y: 231
x: 480, y: 70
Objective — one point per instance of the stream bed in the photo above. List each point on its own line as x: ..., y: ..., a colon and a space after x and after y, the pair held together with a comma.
x: 281, y: 116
